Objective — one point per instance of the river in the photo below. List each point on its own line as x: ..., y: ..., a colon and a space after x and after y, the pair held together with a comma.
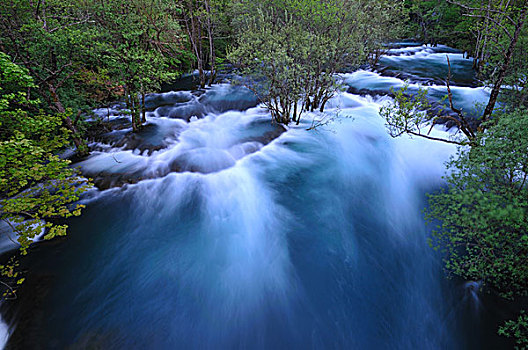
x: 218, y: 230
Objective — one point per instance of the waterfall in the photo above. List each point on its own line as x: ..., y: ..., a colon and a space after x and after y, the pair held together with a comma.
x: 231, y: 233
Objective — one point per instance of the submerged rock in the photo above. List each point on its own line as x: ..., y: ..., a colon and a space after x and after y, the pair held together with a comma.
x: 203, y: 160
x: 153, y: 101
x: 181, y: 111
x: 224, y: 98
x: 105, y: 180
x: 149, y: 138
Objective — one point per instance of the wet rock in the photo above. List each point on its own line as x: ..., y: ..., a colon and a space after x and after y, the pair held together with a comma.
x: 269, y: 136
x: 99, y: 128
x: 135, y: 141
x: 184, y: 83
x: 183, y: 111
x: 153, y: 101
x: 200, y: 160
x: 105, y: 180
x: 225, y: 98
x: 369, y: 92
x: 149, y: 138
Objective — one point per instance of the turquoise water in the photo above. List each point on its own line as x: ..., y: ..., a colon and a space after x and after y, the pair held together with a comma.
x: 314, y: 240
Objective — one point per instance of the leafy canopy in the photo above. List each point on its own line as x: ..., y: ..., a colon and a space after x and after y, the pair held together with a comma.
x: 290, y: 51
x: 37, y: 187
x: 483, y: 212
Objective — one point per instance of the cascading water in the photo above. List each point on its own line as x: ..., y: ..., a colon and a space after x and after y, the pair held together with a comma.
x: 226, y: 238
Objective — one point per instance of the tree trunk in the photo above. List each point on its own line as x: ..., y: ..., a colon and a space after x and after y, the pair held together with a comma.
x: 201, y: 73
x: 143, y: 109
x: 325, y: 100
x: 295, y: 117
x: 135, y: 112
x: 193, y: 26
x: 81, y: 147
x: 504, y: 67
x: 212, y: 54
x: 130, y: 104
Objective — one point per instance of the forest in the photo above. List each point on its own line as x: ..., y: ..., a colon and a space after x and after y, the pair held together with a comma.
x: 236, y: 169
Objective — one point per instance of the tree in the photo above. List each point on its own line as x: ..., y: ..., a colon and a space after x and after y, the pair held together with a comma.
x: 198, y: 18
x: 496, y: 46
x: 517, y: 329
x: 82, y: 53
x: 483, y: 212
x: 437, y: 21
x: 52, y: 40
x: 497, y: 41
x: 499, y: 27
x: 515, y: 84
x: 410, y: 114
x: 484, y: 209
x: 139, y: 48
x: 37, y: 187
x: 384, y: 18
x: 291, y: 51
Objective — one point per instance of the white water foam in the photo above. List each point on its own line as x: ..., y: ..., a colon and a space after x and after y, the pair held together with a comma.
x: 4, y: 333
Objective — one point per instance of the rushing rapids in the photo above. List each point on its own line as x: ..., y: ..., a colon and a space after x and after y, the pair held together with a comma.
x: 218, y: 230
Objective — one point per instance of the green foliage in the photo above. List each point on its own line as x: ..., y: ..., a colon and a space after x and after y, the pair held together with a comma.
x: 204, y: 20
x: 37, y: 187
x: 51, y: 39
x: 291, y: 50
x: 87, y: 53
x: 486, y: 31
x: 516, y: 80
x: 437, y: 21
x: 483, y: 212
x: 139, y: 46
x: 409, y: 112
x: 384, y: 22
x: 412, y: 114
x: 13, y: 93
x: 518, y: 330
